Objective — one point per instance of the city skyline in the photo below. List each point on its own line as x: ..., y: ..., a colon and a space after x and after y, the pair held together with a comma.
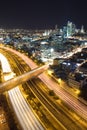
x: 43, y: 78
x: 42, y: 14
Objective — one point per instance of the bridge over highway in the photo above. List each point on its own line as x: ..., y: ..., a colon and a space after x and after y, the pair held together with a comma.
x: 22, y: 78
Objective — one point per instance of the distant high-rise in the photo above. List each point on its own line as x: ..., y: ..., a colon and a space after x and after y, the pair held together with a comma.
x: 82, y: 29
x: 65, y: 31
x: 56, y: 27
x: 70, y: 28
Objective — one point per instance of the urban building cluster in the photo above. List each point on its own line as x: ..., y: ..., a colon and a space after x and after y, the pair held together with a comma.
x: 66, y: 47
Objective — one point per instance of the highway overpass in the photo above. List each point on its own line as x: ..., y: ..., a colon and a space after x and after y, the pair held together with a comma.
x: 22, y: 78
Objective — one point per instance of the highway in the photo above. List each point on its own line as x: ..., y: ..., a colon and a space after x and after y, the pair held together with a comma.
x: 5, y: 86
x: 22, y: 70
x: 70, y: 100
x: 5, y: 67
x: 64, y: 116
x: 23, y: 111
x: 58, y: 113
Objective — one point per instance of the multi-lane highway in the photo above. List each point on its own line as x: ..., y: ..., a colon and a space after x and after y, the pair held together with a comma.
x: 61, y: 114
x: 75, y: 104
x: 22, y: 70
x: 23, y: 111
x: 21, y: 79
x: 70, y: 100
x: 75, y: 124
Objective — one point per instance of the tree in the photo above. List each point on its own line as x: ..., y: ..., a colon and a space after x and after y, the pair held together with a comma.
x: 51, y: 93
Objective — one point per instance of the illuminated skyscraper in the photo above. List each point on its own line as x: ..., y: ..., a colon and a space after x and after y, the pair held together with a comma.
x: 65, y: 31
x: 82, y: 29
x: 70, y: 29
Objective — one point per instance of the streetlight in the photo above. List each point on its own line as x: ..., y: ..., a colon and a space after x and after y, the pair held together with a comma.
x: 59, y: 80
x: 51, y: 49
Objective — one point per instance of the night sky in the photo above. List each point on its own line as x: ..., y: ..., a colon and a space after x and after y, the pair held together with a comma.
x: 42, y: 14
